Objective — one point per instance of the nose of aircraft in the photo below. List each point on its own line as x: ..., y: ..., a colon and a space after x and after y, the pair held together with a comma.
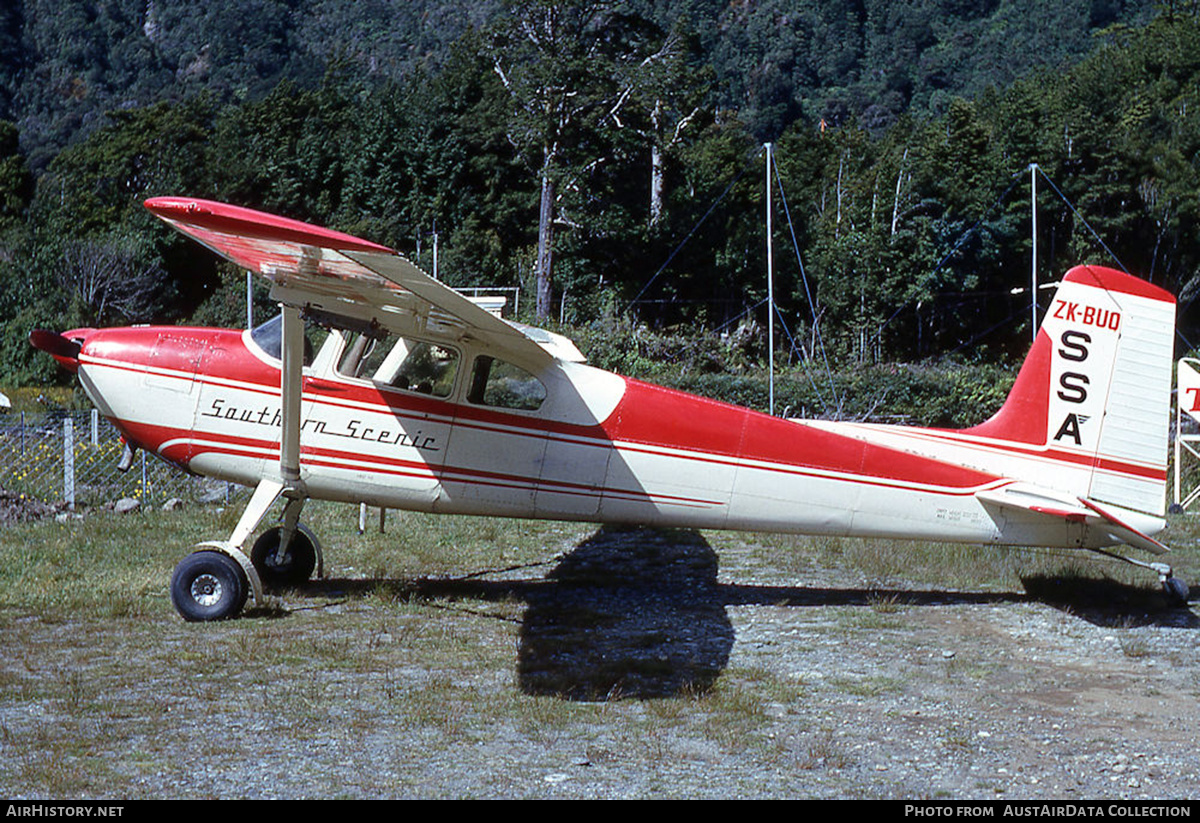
x: 63, y: 347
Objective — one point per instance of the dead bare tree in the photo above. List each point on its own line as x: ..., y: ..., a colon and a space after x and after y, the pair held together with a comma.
x: 112, y: 278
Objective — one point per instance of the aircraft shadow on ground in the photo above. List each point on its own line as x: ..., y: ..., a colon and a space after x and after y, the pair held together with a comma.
x: 1109, y: 603
x: 639, y: 613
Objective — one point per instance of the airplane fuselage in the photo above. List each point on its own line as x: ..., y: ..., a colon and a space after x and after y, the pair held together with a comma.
x: 599, y: 447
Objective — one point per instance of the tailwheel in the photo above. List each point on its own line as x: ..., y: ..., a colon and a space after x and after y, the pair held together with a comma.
x: 208, y: 585
x: 294, y: 566
x: 1176, y: 590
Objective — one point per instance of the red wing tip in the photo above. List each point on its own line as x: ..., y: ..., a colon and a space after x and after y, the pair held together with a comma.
x: 176, y: 207
x: 213, y: 215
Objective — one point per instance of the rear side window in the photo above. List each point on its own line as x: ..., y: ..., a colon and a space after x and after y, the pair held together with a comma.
x: 504, y: 386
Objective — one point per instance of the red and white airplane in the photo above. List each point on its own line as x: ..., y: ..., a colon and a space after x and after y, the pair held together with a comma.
x: 421, y: 399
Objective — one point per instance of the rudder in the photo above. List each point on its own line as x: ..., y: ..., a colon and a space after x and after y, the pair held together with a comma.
x: 1094, y: 393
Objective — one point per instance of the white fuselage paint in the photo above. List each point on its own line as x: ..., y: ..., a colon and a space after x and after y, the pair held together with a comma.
x: 557, y: 463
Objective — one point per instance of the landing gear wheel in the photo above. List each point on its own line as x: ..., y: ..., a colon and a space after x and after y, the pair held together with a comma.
x: 296, y: 568
x: 1176, y: 590
x: 208, y: 585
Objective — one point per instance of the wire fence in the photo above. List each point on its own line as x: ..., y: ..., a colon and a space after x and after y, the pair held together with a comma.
x: 73, y: 457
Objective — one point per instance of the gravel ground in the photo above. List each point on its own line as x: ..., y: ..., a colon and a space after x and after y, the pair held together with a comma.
x: 637, y: 665
x: 1004, y: 700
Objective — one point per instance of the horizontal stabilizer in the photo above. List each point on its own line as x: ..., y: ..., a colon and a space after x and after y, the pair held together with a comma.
x: 1122, y: 530
x: 1047, y: 502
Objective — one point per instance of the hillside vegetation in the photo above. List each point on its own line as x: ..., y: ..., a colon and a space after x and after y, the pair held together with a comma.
x: 571, y: 149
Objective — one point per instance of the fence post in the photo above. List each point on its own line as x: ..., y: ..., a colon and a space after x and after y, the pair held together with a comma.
x: 95, y: 427
x: 69, y: 462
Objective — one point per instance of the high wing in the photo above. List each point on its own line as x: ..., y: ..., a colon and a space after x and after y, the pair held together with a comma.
x: 348, y: 282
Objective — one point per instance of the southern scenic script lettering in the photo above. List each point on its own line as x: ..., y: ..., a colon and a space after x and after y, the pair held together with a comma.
x: 353, y: 429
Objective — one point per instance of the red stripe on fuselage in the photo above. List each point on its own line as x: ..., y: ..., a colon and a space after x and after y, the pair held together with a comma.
x: 647, y: 412
x: 649, y: 419
x: 968, y: 438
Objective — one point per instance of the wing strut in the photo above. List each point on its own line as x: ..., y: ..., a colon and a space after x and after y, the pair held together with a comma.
x: 291, y: 377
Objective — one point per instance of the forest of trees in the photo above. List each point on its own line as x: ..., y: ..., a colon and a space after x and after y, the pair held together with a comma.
x: 608, y: 157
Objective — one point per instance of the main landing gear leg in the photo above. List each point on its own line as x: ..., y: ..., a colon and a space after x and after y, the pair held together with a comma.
x: 1176, y: 591
x: 286, y: 555
x: 213, y: 582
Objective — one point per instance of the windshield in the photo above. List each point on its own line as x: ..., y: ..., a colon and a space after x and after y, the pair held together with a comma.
x: 269, y: 337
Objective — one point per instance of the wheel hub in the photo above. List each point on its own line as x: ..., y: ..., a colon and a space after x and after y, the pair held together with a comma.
x: 206, y: 590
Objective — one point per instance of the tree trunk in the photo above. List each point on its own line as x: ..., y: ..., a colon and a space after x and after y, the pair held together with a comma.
x: 656, y: 167
x: 656, y: 184
x: 545, y: 250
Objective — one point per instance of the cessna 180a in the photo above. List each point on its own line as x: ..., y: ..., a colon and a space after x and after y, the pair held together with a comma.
x: 421, y: 399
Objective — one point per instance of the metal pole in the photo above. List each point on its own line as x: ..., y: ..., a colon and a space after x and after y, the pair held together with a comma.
x: 69, y: 462
x: 1033, y: 169
x: 1178, y: 433
x: 770, y: 297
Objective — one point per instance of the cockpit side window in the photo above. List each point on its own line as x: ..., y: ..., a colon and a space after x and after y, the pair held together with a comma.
x: 505, y: 386
x: 269, y: 336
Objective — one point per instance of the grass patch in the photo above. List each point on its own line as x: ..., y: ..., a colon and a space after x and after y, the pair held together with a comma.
x: 824, y: 751
x: 871, y: 686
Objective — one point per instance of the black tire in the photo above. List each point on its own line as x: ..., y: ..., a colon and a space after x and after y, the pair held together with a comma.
x: 208, y: 585
x: 301, y: 559
x: 1177, y: 591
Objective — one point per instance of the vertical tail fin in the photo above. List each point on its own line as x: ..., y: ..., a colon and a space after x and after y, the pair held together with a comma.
x: 1094, y: 393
